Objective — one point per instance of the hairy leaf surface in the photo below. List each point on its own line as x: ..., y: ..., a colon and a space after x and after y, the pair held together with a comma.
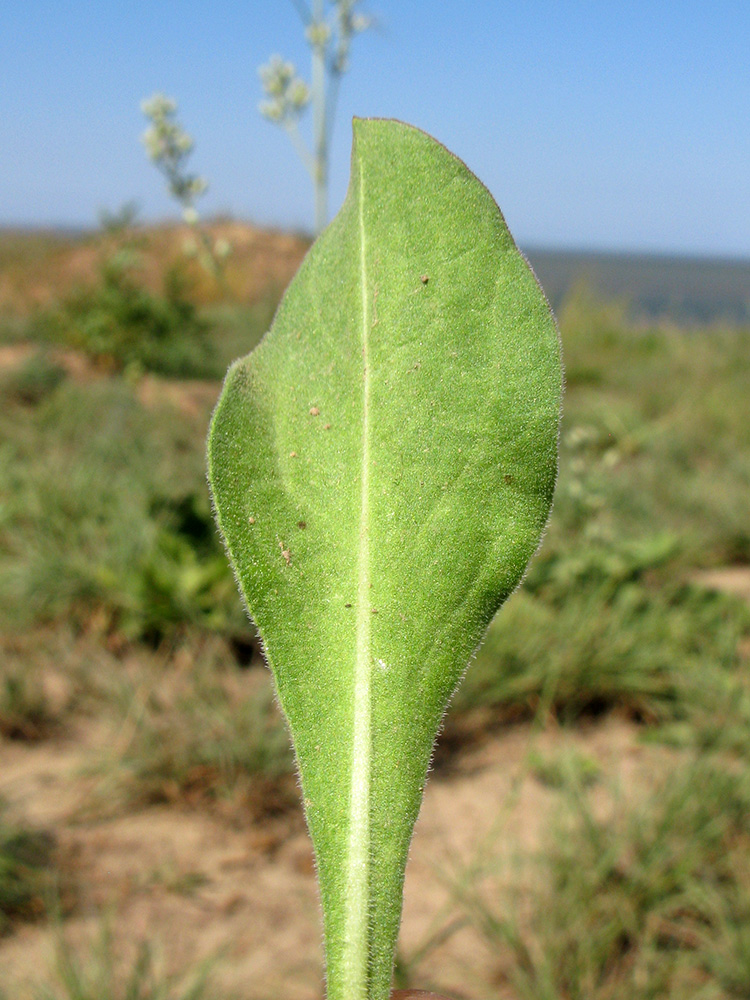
x: 382, y: 467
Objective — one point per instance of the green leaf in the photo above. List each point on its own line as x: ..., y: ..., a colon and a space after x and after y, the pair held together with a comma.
x: 382, y: 468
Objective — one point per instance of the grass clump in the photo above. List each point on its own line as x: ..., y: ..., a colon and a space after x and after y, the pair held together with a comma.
x: 197, y: 732
x: 650, y: 900
x: 99, y: 973
x: 32, y: 381
x: 588, y: 643
x: 565, y: 766
x: 26, y: 711
x: 29, y: 875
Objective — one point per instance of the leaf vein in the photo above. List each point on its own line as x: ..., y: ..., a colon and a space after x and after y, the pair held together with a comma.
x: 359, y: 833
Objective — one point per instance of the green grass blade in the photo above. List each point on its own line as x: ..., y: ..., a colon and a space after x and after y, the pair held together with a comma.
x: 382, y: 467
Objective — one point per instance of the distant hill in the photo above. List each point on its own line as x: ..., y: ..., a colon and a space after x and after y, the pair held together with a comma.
x: 37, y: 266
x: 687, y: 291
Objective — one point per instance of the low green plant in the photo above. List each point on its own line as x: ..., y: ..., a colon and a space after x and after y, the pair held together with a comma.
x: 563, y: 767
x: 382, y: 467
x: 119, y: 222
x: 234, y: 327
x: 180, y: 581
x: 109, y: 520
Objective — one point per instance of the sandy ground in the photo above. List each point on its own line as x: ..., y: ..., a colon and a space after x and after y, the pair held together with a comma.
x: 198, y: 885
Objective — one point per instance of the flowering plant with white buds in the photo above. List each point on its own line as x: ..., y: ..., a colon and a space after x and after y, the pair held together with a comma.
x: 329, y: 34
x: 168, y: 146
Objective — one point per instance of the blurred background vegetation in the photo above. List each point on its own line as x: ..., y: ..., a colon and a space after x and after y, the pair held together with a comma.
x: 121, y: 630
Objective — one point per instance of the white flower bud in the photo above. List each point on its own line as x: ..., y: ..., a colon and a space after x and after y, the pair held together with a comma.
x: 317, y: 34
x: 158, y: 106
x: 183, y: 142
x: 299, y: 93
x: 272, y: 110
x: 197, y: 186
x: 222, y: 248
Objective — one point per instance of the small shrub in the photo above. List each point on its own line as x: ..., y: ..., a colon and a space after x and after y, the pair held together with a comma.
x: 121, y: 325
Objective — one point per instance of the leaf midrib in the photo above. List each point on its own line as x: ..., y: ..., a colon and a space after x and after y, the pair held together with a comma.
x: 358, y: 874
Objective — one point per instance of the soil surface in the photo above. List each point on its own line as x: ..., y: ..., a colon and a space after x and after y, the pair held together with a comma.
x: 728, y: 579
x: 197, y: 884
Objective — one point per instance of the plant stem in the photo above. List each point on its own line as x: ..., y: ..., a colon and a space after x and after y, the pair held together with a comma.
x: 320, y: 129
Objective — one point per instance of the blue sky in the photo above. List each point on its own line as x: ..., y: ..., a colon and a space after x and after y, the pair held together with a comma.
x: 595, y: 124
